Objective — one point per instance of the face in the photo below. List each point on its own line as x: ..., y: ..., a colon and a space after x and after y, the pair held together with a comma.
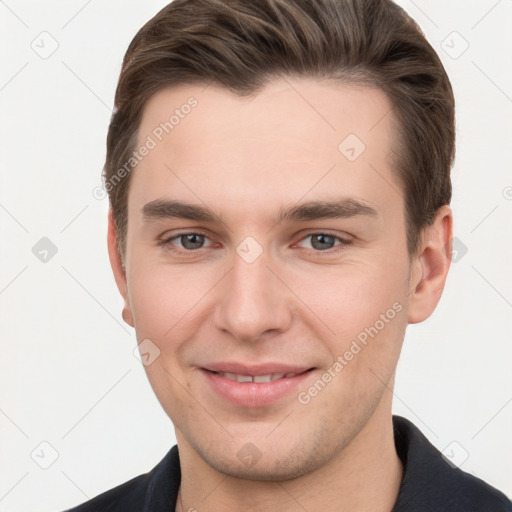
x: 267, y: 269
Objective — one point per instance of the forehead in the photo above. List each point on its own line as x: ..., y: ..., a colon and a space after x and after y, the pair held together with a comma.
x: 295, y: 137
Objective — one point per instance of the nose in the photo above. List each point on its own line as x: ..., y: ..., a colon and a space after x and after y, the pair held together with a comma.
x: 253, y: 301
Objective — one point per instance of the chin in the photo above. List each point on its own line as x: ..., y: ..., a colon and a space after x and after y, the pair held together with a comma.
x: 268, y: 459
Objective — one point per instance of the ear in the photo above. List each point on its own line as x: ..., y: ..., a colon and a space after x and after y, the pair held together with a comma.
x: 118, y: 267
x: 430, y: 266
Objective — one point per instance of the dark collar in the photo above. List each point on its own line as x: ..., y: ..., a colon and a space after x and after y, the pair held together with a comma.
x: 431, y: 483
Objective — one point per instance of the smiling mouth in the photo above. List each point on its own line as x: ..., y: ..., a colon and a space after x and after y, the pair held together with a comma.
x: 256, y: 378
x: 252, y: 391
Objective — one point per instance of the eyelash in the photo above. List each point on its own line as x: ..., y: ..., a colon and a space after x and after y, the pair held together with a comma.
x: 166, y: 243
x: 340, y: 246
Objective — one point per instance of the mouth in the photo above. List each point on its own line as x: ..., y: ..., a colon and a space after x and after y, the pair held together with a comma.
x: 256, y: 387
x: 256, y: 378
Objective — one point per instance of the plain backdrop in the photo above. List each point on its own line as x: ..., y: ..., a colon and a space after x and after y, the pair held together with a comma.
x: 77, y: 414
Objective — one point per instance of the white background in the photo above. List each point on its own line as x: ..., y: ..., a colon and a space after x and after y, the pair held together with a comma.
x: 68, y: 375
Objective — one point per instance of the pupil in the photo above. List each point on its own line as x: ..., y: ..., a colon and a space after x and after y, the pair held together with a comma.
x: 192, y: 241
x: 322, y: 239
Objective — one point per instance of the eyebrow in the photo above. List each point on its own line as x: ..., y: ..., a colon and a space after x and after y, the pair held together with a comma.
x: 312, y: 210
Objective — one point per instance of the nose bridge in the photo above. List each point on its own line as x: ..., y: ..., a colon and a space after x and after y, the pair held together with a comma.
x: 253, y: 301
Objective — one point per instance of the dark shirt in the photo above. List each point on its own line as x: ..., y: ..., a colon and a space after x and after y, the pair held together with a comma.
x: 429, y: 483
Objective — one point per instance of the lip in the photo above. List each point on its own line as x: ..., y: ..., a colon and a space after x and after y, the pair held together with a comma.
x: 254, y: 394
x: 254, y: 369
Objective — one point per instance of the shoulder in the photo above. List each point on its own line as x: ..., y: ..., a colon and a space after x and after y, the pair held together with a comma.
x: 431, y: 482
x: 159, y: 486
x: 128, y: 496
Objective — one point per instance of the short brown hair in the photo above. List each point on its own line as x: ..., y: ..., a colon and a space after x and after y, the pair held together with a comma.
x: 243, y: 44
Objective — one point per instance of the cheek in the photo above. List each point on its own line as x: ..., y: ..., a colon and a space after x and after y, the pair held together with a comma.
x: 164, y: 303
x: 352, y: 296
x: 363, y: 305
x: 161, y: 297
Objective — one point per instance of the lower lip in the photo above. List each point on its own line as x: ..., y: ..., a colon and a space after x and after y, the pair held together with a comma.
x: 253, y: 394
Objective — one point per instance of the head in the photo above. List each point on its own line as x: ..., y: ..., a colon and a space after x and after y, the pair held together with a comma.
x: 305, y: 149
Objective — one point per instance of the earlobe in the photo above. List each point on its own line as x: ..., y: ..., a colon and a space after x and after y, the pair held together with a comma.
x: 431, y: 267
x: 118, y: 268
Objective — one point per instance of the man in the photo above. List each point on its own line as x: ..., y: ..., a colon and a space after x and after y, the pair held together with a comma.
x: 279, y: 181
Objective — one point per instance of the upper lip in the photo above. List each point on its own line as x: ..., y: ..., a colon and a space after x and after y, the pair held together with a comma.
x: 255, y: 369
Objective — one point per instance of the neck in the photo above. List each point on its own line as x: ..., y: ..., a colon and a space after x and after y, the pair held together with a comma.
x: 366, y: 475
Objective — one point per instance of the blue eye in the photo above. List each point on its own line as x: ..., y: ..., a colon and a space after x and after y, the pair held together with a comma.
x: 324, y: 241
x: 187, y: 241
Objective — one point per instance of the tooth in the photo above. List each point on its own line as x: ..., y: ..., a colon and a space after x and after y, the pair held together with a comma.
x: 244, y: 378
x: 262, y: 378
x: 256, y: 378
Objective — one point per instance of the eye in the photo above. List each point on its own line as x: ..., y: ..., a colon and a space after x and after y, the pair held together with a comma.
x: 186, y: 242
x: 323, y: 241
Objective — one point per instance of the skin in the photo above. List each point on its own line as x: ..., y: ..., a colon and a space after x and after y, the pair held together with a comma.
x: 246, y: 158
